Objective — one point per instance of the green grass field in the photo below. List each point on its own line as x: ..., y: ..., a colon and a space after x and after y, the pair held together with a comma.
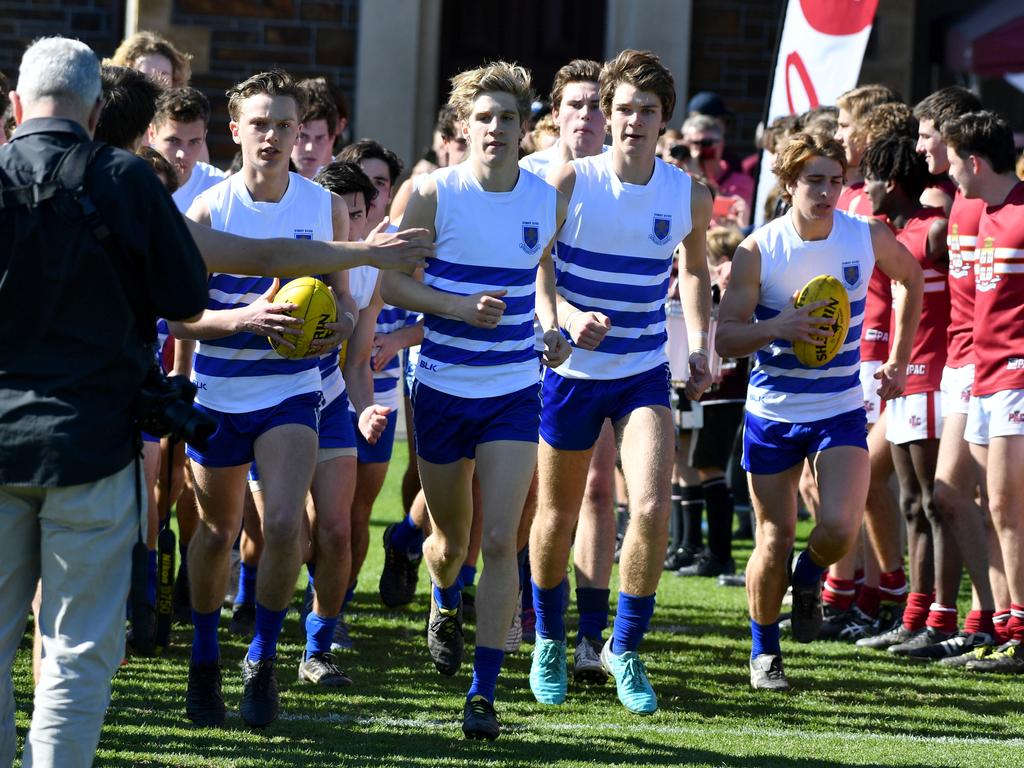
x: 848, y: 707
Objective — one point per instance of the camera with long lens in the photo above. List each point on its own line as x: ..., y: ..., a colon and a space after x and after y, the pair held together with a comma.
x: 164, y: 407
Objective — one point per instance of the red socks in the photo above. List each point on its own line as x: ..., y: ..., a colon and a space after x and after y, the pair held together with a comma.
x: 979, y: 621
x: 1015, y: 627
x: 868, y: 600
x: 916, y: 612
x: 943, y: 618
x: 893, y: 586
x: 999, y: 629
x: 839, y: 593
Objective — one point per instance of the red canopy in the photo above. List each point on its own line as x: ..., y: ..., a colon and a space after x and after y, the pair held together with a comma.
x: 988, y: 41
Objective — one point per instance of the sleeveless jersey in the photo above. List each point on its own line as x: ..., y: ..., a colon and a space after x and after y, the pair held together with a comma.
x: 963, y: 234
x: 361, y: 282
x: 547, y: 160
x: 781, y: 387
x: 385, y: 382
x: 614, y: 255
x: 486, y: 241
x: 928, y: 353
x: 203, y: 177
x: 241, y: 372
x: 999, y: 297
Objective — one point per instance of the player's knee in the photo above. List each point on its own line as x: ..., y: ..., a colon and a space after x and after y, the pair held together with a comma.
x: 838, y: 535
x: 449, y: 551
x: 911, y: 509
x: 333, y: 536
x: 280, y: 530
x: 775, y: 541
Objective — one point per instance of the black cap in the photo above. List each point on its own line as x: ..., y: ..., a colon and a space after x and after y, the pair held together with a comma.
x: 707, y: 103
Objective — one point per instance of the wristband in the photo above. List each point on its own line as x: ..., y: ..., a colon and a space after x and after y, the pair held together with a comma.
x: 350, y: 316
x: 699, y: 351
x: 697, y: 339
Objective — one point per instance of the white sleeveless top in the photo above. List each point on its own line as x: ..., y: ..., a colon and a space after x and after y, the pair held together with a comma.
x: 486, y: 241
x: 781, y: 387
x: 361, y: 282
x: 614, y: 255
x: 241, y: 372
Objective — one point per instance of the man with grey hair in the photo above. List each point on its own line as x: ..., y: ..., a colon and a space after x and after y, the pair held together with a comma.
x: 95, y: 250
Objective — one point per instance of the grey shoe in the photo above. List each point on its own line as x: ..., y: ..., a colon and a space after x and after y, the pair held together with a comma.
x: 322, y: 669
x: 586, y: 662
x: 766, y: 673
x: 895, y: 636
x: 920, y: 639
x: 342, y: 640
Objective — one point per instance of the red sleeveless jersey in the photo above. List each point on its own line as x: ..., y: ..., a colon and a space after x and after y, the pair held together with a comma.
x: 963, y: 233
x: 928, y: 354
x: 874, y: 335
x: 999, y: 297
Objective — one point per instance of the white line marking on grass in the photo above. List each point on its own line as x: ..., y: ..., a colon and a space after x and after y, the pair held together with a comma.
x: 781, y: 733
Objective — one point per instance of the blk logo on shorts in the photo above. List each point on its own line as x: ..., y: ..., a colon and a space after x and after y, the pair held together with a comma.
x: 531, y: 237
x: 1016, y: 417
x: 915, y: 421
x: 661, y: 228
x: 303, y: 234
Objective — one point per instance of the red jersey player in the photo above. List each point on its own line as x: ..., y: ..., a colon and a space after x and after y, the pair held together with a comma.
x: 895, y: 176
x: 981, y: 159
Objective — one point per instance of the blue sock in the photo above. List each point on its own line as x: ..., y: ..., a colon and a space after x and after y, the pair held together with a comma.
x: 319, y: 631
x: 548, y: 605
x: 349, y: 594
x: 407, y: 537
x: 486, y: 666
x: 448, y: 598
x: 467, y: 576
x: 268, y: 629
x: 631, y: 620
x: 525, y: 578
x: 592, y: 605
x: 151, y: 577
x: 765, y: 638
x: 806, y: 570
x: 246, y: 594
x: 205, y: 648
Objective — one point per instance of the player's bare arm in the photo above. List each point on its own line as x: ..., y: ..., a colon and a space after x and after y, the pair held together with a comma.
x: 586, y: 329
x: 738, y: 335
x: 556, y: 348
x: 373, y: 419
x: 900, y: 267
x: 482, y: 310
x: 695, y: 290
x: 348, y: 312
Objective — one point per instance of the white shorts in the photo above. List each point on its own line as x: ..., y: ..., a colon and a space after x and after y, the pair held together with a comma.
x: 956, y: 389
x: 997, y: 415
x: 868, y: 383
x: 914, y: 417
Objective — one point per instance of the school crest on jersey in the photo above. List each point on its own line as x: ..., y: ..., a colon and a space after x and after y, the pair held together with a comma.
x: 958, y: 267
x: 661, y: 228
x: 303, y: 234
x: 985, y: 269
x: 531, y: 237
x: 851, y: 273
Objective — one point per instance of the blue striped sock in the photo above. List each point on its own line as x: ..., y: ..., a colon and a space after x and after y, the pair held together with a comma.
x: 448, y: 598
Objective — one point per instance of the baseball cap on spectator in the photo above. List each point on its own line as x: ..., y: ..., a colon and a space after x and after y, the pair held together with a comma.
x: 707, y: 103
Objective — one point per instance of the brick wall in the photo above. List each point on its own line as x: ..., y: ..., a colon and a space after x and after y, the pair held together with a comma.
x: 99, y: 23
x: 731, y: 54
x: 239, y: 37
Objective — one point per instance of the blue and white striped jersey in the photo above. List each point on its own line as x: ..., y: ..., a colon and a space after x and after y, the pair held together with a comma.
x: 486, y: 241
x: 614, y: 255
x: 781, y: 387
x: 241, y: 372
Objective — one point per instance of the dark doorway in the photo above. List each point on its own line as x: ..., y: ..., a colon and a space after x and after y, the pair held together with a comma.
x: 539, y: 34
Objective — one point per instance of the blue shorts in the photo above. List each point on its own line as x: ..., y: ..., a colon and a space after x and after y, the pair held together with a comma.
x: 449, y: 428
x: 380, y: 453
x: 335, y: 425
x: 770, y: 447
x: 148, y: 438
x: 233, y: 440
x: 575, y: 409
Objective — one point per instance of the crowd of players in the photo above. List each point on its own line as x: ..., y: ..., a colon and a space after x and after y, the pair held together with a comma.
x: 574, y: 264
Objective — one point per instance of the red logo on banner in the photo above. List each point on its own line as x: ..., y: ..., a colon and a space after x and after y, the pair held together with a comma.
x: 793, y: 61
x: 839, y: 17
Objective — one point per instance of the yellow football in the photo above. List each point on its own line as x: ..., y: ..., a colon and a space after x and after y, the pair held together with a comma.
x: 315, y: 308
x: 836, y: 314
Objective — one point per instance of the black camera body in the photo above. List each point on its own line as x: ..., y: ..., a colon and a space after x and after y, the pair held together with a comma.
x: 164, y: 407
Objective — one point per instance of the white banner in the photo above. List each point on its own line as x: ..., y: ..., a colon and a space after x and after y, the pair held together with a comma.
x: 820, y: 54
